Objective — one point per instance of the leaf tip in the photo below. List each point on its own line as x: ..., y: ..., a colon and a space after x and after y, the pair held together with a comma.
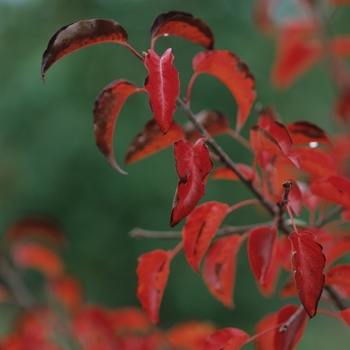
x: 111, y: 161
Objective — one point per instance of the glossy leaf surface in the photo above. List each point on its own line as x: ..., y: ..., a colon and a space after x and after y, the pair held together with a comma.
x: 192, y: 166
x: 163, y: 86
x: 226, y: 339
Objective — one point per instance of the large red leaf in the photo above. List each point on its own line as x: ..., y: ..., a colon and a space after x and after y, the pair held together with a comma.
x: 151, y: 140
x: 184, y: 25
x: 306, y: 132
x: 107, y: 107
x: 334, y: 188
x: 163, y: 86
x: 78, y: 35
x: 226, y: 339
x: 339, y: 275
x: 200, y: 228
x: 152, y: 272
x: 260, y: 247
x: 219, y: 268
x: 192, y: 166
x: 308, y: 263
x: 234, y: 73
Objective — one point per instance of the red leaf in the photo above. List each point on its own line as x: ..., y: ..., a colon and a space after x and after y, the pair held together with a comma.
x: 226, y: 339
x: 234, y: 73
x: 339, y: 275
x: 219, y: 268
x: 224, y: 173
x: 340, y: 46
x: 308, y: 263
x: 192, y: 167
x: 289, y: 339
x: 152, y: 272
x: 260, y: 246
x: 342, y: 106
x: 288, y: 289
x: 214, y: 122
x: 306, y: 132
x: 334, y: 188
x: 130, y: 319
x: 200, y: 228
x: 162, y: 84
x: 184, y: 25
x: 295, y: 200
x: 265, y: 341
x: 345, y: 315
x: 151, y: 140
x: 107, y: 107
x: 78, y: 35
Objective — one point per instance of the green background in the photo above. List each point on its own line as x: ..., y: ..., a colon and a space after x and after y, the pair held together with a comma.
x: 49, y: 163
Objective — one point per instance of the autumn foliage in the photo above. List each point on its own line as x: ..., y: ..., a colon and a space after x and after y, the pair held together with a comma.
x: 295, y: 168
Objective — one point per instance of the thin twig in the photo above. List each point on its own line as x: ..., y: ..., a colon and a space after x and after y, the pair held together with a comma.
x: 333, y: 213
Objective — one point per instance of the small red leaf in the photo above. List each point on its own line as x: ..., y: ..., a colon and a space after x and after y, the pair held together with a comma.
x: 226, y: 339
x: 200, y: 228
x: 260, y: 247
x: 193, y: 165
x: 234, y: 73
x: 151, y: 140
x: 183, y: 25
x: 308, y: 263
x: 219, y: 268
x: 78, y: 35
x: 339, y: 275
x: 162, y: 84
x: 152, y: 272
x: 306, y: 132
x: 107, y: 107
x: 334, y: 188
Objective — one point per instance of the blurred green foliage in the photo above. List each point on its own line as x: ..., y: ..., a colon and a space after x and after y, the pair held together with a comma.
x: 49, y: 163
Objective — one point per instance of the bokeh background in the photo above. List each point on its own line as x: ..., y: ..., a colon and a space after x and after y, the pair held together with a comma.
x: 49, y: 164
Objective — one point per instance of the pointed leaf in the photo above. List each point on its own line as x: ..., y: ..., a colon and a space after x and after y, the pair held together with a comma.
x: 192, y: 166
x: 107, y: 107
x: 226, y: 339
x: 152, y: 272
x: 339, y: 275
x: 184, y: 25
x: 200, y: 228
x: 163, y: 86
x: 78, y: 35
x: 151, y: 140
x: 260, y: 246
x: 234, y: 73
x: 219, y: 268
x: 306, y: 132
x: 308, y: 264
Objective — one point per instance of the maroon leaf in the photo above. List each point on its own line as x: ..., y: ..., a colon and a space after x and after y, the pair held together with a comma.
x: 219, y: 268
x: 151, y: 140
x: 308, y: 263
x: 184, y: 25
x: 152, y: 272
x: 78, y: 35
x: 306, y: 132
x: 260, y: 247
x: 234, y: 73
x: 162, y: 84
x: 107, y: 107
x: 192, y: 166
x: 200, y: 228
x: 226, y: 339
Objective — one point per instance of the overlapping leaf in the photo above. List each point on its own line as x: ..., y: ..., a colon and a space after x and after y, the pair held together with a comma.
x: 234, y: 73
x: 163, y: 85
x: 192, y: 166
x: 183, y: 25
x: 151, y: 140
x: 152, y: 272
x: 78, y: 35
x: 226, y: 339
x: 219, y: 270
x: 303, y: 132
x: 107, y: 107
x: 200, y: 228
x: 308, y: 264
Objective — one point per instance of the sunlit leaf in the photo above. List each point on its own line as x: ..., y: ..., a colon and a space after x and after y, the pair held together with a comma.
x: 226, y: 339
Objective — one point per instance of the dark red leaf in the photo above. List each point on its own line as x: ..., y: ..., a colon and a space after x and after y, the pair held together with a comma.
x: 305, y: 132
x: 339, y: 275
x: 234, y: 73
x: 152, y: 272
x: 107, y: 107
x: 334, y: 188
x: 163, y: 86
x: 219, y: 268
x: 192, y: 166
x: 260, y: 246
x: 308, y: 264
x: 78, y: 35
x: 184, y: 25
x: 200, y: 228
x: 151, y: 140
x: 226, y: 339
x: 214, y: 122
